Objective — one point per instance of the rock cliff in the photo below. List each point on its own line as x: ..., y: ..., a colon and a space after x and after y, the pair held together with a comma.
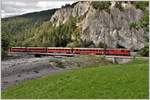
x: 111, y: 27
x: 63, y: 14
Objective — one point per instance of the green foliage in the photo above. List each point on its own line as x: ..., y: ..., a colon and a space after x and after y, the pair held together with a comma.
x: 48, y: 34
x: 128, y: 81
x: 24, y: 32
x: 101, y: 45
x: 36, y: 30
x: 5, y: 44
x: 15, y: 29
x: 134, y: 25
x: 144, y: 51
x: 141, y: 4
x: 101, y: 5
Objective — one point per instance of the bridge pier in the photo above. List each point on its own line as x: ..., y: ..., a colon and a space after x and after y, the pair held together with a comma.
x: 115, y: 60
x: 118, y: 60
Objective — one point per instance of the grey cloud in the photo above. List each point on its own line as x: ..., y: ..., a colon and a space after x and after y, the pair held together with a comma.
x: 17, y: 7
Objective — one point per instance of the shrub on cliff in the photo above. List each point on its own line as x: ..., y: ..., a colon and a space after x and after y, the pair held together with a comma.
x: 144, y: 51
x: 101, y: 5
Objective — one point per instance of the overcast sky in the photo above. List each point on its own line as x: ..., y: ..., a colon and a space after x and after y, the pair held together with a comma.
x: 17, y: 7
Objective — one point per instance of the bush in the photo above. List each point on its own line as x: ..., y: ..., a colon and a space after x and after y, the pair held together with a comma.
x: 74, y: 44
x: 56, y: 63
x: 101, y: 45
x: 141, y: 4
x: 144, y: 51
x: 86, y: 43
x: 101, y: 5
x: 134, y: 25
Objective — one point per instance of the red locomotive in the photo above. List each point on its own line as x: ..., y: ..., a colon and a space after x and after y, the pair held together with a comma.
x: 96, y: 51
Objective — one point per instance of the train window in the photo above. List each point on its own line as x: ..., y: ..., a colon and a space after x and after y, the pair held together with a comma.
x: 122, y: 50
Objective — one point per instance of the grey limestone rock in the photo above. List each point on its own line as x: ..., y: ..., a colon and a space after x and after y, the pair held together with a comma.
x: 112, y: 26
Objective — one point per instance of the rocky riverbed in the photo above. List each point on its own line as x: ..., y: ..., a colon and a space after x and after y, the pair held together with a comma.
x: 28, y: 67
x: 25, y: 68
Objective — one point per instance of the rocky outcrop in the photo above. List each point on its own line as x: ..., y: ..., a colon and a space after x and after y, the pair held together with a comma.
x: 110, y: 26
x: 62, y: 15
x: 114, y: 27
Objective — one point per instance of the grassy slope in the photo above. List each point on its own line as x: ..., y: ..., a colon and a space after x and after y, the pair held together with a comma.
x: 111, y: 81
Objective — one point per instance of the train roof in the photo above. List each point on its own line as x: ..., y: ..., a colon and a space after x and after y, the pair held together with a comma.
x: 74, y: 48
x: 103, y: 48
x: 59, y: 47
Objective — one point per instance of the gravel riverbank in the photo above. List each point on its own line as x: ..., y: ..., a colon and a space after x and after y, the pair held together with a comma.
x: 20, y: 69
x: 28, y: 67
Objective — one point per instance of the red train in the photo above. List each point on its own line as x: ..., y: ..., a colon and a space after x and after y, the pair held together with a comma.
x: 96, y: 51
